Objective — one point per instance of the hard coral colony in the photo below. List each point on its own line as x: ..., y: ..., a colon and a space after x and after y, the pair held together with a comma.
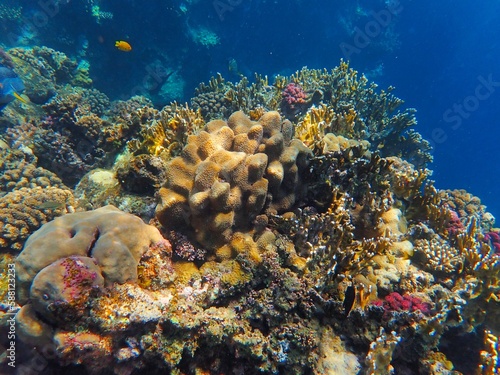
x: 296, y: 232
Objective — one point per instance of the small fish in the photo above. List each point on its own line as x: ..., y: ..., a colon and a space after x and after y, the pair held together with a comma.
x: 11, y: 87
x: 123, y: 46
x: 21, y: 97
x: 350, y: 294
x: 51, y: 205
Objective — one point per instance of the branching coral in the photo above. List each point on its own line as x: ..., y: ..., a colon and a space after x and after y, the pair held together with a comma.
x: 346, y: 105
x: 77, y: 136
x: 220, y: 98
x: 167, y: 132
x: 286, y: 257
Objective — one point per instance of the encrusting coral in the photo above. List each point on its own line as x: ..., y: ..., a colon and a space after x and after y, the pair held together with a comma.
x: 30, y: 196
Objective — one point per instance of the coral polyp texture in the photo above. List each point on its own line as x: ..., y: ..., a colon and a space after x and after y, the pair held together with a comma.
x: 114, y: 239
x: 231, y: 172
x: 296, y: 231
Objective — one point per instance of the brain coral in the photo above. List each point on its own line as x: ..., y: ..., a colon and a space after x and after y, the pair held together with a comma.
x: 231, y: 172
x: 114, y: 239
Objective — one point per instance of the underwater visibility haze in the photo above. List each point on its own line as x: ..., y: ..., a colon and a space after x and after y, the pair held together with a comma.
x: 249, y: 187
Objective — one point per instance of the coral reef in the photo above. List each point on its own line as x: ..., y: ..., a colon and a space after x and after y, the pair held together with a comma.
x: 101, y: 187
x: 24, y: 210
x: 76, y: 135
x: 304, y: 235
x: 344, y: 104
x: 294, y: 99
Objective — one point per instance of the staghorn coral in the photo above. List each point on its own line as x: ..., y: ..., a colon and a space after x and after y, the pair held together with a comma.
x: 321, y: 120
x: 230, y: 173
x: 379, y: 358
x: 437, y: 256
x: 490, y: 359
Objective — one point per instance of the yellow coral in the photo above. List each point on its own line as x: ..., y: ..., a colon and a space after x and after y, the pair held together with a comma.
x: 168, y: 132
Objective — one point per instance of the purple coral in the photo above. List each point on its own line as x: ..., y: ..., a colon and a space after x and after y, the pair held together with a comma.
x: 493, y: 238
x: 454, y: 225
x: 293, y: 98
x: 184, y: 249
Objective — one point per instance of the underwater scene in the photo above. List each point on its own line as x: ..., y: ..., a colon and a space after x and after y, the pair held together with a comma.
x: 232, y: 187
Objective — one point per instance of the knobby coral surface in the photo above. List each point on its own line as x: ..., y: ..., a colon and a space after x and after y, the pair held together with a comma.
x: 305, y: 237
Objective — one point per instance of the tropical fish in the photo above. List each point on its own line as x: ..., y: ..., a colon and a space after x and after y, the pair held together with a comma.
x: 123, y: 46
x: 50, y: 205
x: 350, y: 295
x: 11, y: 87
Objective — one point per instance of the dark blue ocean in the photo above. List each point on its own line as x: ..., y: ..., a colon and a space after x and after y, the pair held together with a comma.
x: 442, y: 57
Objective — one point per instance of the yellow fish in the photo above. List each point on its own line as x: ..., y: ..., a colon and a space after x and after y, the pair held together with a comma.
x: 22, y: 98
x: 123, y: 46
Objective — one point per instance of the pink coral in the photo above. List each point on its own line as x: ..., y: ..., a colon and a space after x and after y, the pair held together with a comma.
x: 454, y: 225
x: 64, y: 287
x: 294, y: 94
x: 294, y: 98
x: 493, y: 238
x: 395, y: 302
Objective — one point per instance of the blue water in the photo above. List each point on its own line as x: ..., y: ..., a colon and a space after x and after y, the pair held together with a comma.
x: 440, y: 55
